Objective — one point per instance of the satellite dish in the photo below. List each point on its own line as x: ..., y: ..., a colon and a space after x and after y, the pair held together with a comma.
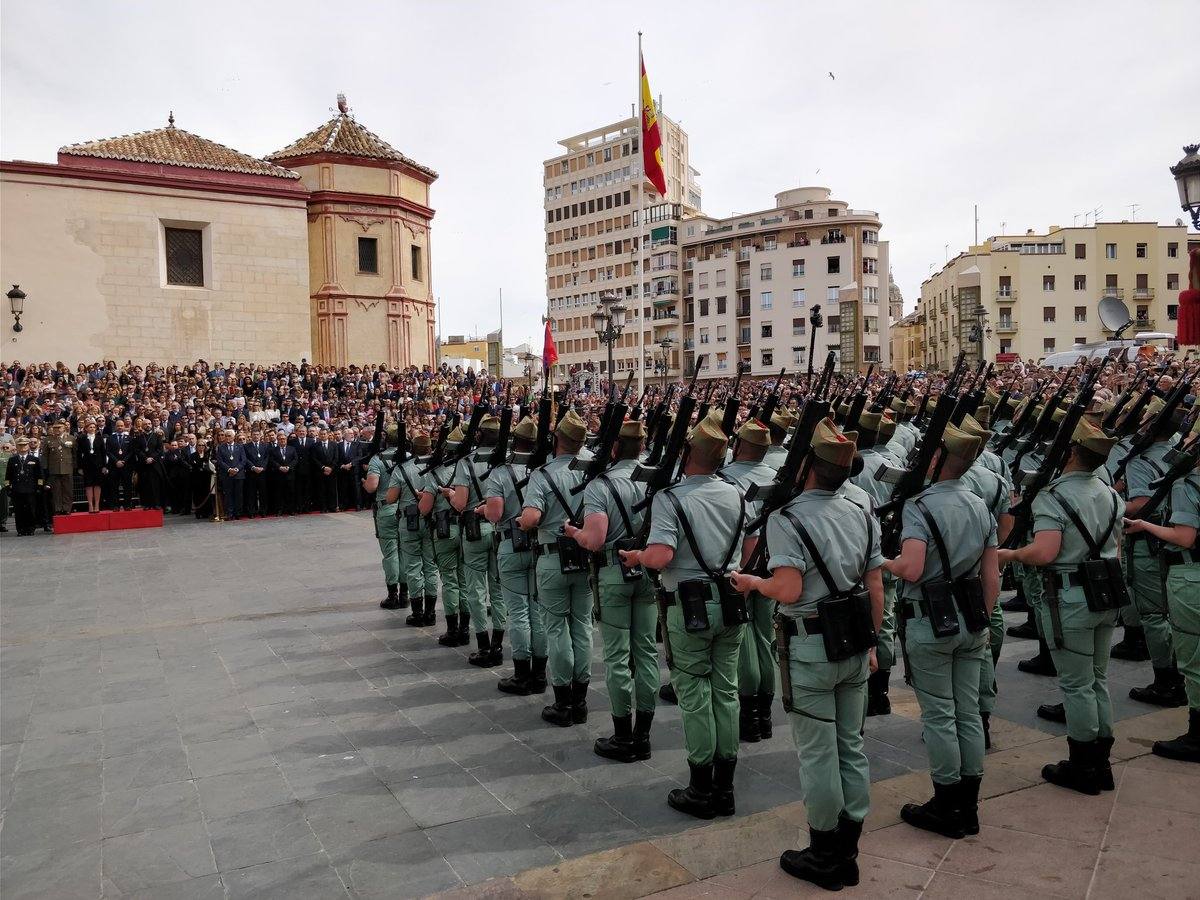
x: 1114, y: 315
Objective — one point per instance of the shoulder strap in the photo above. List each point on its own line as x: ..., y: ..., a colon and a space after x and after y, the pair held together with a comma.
x: 939, y: 543
x: 515, y: 483
x: 1094, y: 546
x: 412, y: 490
x: 818, y: 561
x: 612, y: 489
x: 562, y: 501
x: 690, y: 537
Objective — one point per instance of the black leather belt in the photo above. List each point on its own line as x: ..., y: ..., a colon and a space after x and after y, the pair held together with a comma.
x: 812, y: 625
x: 1064, y: 580
x: 603, y: 558
x: 543, y: 549
x: 1179, y: 557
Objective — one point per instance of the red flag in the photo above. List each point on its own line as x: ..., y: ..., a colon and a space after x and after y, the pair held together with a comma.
x: 549, y: 351
x: 652, y: 154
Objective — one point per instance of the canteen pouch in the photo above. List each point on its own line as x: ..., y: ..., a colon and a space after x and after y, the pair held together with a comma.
x: 441, y: 524
x: 939, y: 605
x: 846, y: 626
x: 522, y: 541
x: 968, y: 592
x: 628, y: 575
x: 412, y: 518
x: 571, y: 557
x: 733, y: 604
x: 1103, y: 583
x: 693, y: 604
x: 469, y: 521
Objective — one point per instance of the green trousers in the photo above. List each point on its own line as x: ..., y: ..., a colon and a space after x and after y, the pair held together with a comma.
x: 628, y: 618
x: 1150, y: 598
x: 1080, y: 651
x: 945, y: 678
x: 828, y: 703
x: 566, y: 604
x: 525, y: 628
x: 1183, y: 601
x: 447, y: 554
x: 756, y: 663
x: 415, y: 548
x: 476, y: 575
x: 704, y: 675
x: 885, y: 640
x: 388, y: 535
x: 987, y: 671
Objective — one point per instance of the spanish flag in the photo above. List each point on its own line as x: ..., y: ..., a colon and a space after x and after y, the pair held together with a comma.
x: 652, y: 152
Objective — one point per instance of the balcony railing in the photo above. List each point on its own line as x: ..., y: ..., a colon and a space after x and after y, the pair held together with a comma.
x: 803, y: 242
x: 689, y: 264
x: 1143, y: 293
x: 1144, y: 324
x: 743, y: 283
x: 1006, y: 296
x: 689, y: 345
x: 743, y: 311
x: 664, y: 315
x: 743, y: 253
x: 1006, y: 326
x: 744, y: 339
x: 1117, y: 292
x: 833, y: 239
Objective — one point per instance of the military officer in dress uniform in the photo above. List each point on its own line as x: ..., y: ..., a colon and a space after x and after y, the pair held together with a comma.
x: 1181, y: 559
x: 478, y: 550
x: 822, y: 544
x: 58, y: 456
x: 1149, y: 597
x: 24, y: 478
x: 628, y: 615
x: 379, y: 473
x: 756, y: 662
x: 447, y: 545
x: 406, y: 489
x: 564, y: 595
x: 514, y: 562
x: 951, y: 581
x: 695, y: 540
x: 1077, y: 517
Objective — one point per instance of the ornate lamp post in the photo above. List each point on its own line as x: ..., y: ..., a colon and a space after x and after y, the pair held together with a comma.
x: 16, y: 304
x: 528, y: 359
x: 1187, y: 180
x: 609, y: 321
x: 664, y: 360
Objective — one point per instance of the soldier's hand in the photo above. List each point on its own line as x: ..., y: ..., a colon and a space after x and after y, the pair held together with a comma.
x: 872, y: 660
x: 1133, y: 526
x: 1004, y: 557
x: 743, y: 582
x: 570, y: 530
x: 631, y: 558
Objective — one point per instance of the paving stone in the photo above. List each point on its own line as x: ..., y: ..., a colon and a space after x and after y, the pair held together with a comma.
x: 137, y: 862
x: 345, y: 820
x: 222, y: 796
x: 486, y: 846
x: 230, y: 755
x: 261, y: 836
x: 408, y: 863
x: 59, y: 784
x: 440, y: 799
x: 154, y: 806
x: 1028, y: 861
x: 290, y: 879
x: 34, y: 827
x: 63, y: 873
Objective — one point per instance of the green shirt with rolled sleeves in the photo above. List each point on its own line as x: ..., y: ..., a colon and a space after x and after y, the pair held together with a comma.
x: 477, y: 464
x: 774, y: 457
x: 540, y: 496
x: 991, y: 461
x: 442, y: 476
x: 880, y: 491
x: 903, y: 440
x: 407, y: 477
x: 502, y: 483
x: 1184, y: 505
x: 744, y: 473
x: 1119, y: 451
x: 845, y: 534
x: 966, y: 526
x: 379, y: 465
x: 713, y: 508
x: 1145, y: 468
x: 598, y: 498
x: 989, y: 486
x: 857, y: 496
x: 1094, y: 502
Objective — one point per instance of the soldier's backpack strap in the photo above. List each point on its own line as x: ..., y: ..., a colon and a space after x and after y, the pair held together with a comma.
x: 690, y: 536
x: 938, y: 541
x: 1094, y: 546
x: 818, y: 561
x: 612, y: 489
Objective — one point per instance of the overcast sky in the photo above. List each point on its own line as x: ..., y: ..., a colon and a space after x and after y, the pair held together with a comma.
x: 1037, y: 111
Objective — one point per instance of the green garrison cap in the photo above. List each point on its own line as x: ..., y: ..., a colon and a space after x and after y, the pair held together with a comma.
x: 869, y: 421
x: 973, y: 426
x: 959, y: 443
x: 571, y: 427
x: 887, y: 426
x: 752, y: 432
x: 490, y: 423
x: 1092, y: 437
x: 526, y: 429
x: 633, y: 428
x: 707, y: 437
x: 983, y: 415
x: 834, y: 446
x: 421, y: 444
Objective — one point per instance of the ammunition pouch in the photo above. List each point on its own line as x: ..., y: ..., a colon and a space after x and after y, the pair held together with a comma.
x: 938, y: 605
x: 522, y: 541
x: 412, y: 518
x: 628, y: 574
x: 1103, y: 583
x: 572, y: 559
x: 693, y: 599
x: 944, y: 598
x: 846, y: 625
x: 733, y: 603
x: 442, y: 520
x: 471, y: 526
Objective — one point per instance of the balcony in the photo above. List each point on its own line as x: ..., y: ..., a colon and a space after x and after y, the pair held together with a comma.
x: 833, y: 239
x: 743, y: 311
x: 1006, y: 295
x: 689, y: 264
x: 1143, y: 324
x: 803, y: 242
x: 689, y: 345
x: 744, y: 339
x: 689, y: 317
x: 743, y: 254
x: 1117, y: 292
x: 665, y: 316
x: 743, y: 283
x: 1006, y: 326
x: 1143, y: 293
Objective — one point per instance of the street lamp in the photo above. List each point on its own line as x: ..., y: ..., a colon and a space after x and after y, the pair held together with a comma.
x: 814, y: 320
x: 609, y: 321
x: 665, y: 345
x: 16, y: 303
x: 1187, y: 180
x: 528, y: 358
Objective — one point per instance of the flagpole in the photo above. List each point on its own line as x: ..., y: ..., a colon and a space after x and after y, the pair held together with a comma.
x: 640, y: 360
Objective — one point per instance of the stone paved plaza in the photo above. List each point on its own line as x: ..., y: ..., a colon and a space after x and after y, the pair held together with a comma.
x: 224, y: 711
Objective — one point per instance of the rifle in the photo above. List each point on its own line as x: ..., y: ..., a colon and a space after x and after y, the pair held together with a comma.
x: 592, y: 468
x: 704, y: 404
x: 919, y: 419
x: 1134, y: 416
x: 662, y: 426
x: 1110, y: 420
x: 500, y: 451
x: 449, y: 423
x: 732, y: 403
x: 660, y: 476
x: 471, y: 435
x: 859, y: 403
x: 969, y: 402
x: 1185, y: 459
x: 772, y: 402
x: 1001, y: 411
x: 610, y: 406
x: 1156, y: 428
x: 884, y: 398
x: 1041, y: 429
x: 636, y: 412
x: 752, y: 413
x: 1021, y: 421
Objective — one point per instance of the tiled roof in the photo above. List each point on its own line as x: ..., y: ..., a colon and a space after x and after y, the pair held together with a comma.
x: 343, y: 134
x: 173, y: 146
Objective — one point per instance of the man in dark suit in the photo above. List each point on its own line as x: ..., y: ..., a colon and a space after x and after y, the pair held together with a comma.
x: 23, y: 477
x: 257, y: 458
x: 347, y: 471
x: 119, y: 447
x: 231, y: 474
x: 282, y: 468
x: 305, y: 489
x: 323, y: 459
x: 148, y: 456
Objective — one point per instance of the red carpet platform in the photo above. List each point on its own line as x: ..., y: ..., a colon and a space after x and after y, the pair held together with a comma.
x: 77, y: 523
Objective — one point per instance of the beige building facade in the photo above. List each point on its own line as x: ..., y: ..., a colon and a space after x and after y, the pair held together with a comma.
x: 905, y: 337
x: 752, y: 280
x: 1034, y: 294
x: 595, y: 247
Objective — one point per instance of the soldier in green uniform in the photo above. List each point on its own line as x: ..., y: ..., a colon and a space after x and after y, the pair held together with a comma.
x: 416, y: 544
x: 907, y: 434
x: 781, y: 423
x: 948, y: 551
x: 514, y: 562
x: 565, y: 598
x: 822, y: 544
x: 1181, y: 560
x: 1076, y: 502
x: 447, y: 546
x: 379, y: 472
x: 1149, y: 597
x: 1132, y: 646
x: 756, y: 662
x: 695, y: 540
x: 626, y: 599
x: 477, y: 549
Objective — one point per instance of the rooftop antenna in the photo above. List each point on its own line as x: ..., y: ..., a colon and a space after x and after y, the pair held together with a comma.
x: 976, y: 224
x: 1133, y: 208
x: 1003, y: 227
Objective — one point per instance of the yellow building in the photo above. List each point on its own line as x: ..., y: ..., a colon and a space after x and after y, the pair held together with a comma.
x: 1031, y: 295
x: 905, y: 336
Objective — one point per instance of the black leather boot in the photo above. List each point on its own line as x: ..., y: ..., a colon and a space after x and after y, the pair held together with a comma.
x: 819, y: 863
x: 482, y: 657
x: 1016, y: 604
x: 941, y: 814
x: 393, y: 598
x: 666, y: 694
x: 968, y: 802
x: 402, y: 598
x: 878, y: 703
x: 641, y: 733
x: 695, y: 799
x: 430, y: 617
x: 748, y: 719
x: 579, y: 702
x: 416, y: 618
x: 619, y: 747
x: 848, y: 833
x: 1053, y: 712
x: 1042, y: 664
x: 1186, y: 747
x: 722, y: 793
x: 537, y: 675
x: 559, y: 712
x: 519, y: 682
x: 765, y: 727
x: 450, y: 637
x: 1132, y: 645
x: 986, y: 718
x: 464, y: 630
x: 497, y: 646
x: 1080, y: 772
x: 1166, y: 690
x: 1027, y: 630
x: 1104, y: 762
